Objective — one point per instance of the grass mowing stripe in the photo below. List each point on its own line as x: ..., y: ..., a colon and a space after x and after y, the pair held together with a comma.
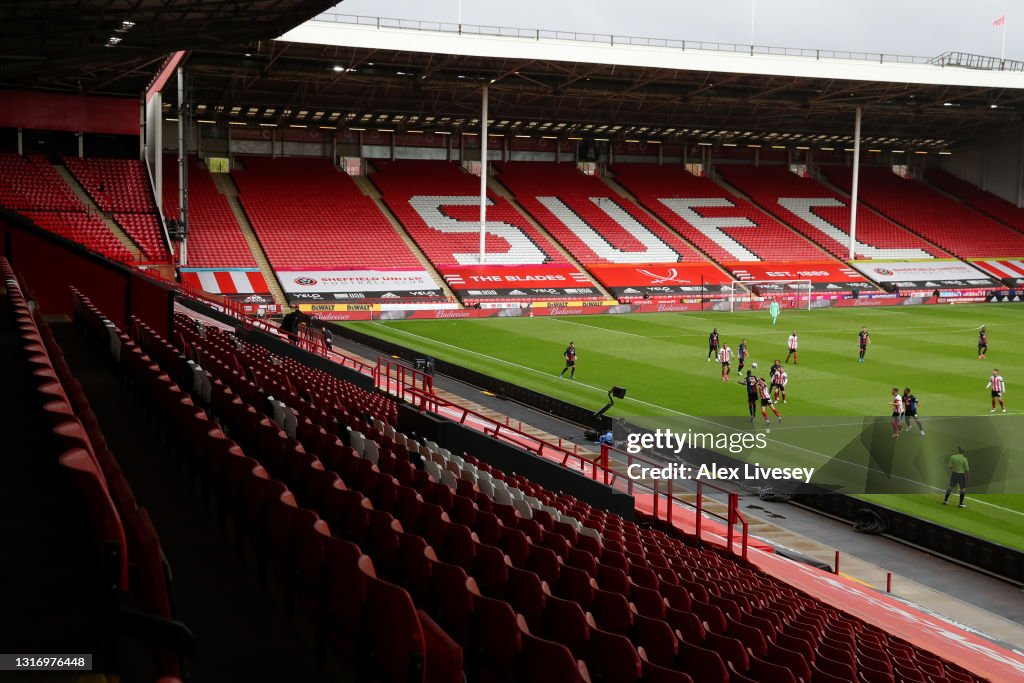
x: 695, y: 417
x: 661, y: 358
x: 597, y: 327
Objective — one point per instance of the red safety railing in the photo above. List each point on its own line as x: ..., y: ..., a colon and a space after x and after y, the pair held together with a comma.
x: 666, y: 498
x: 417, y: 387
x: 308, y: 338
x: 506, y: 431
x: 405, y: 382
x: 399, y: 379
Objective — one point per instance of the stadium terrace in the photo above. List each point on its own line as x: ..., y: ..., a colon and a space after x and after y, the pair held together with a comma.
x: 323, y: 345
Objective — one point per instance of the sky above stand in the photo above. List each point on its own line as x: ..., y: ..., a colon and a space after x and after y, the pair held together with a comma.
x: 907, y: 27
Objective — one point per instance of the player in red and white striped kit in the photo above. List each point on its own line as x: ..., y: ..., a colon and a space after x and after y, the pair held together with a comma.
x: 780, y: 378
x: 998, y: 386
x: 725, y: 357
x: 765, y: 394
x: 792, y: 343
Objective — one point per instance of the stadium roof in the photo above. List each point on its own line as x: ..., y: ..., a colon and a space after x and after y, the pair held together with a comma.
x: 344, y: 71
x: 113, y: 46
x: 341, y: 70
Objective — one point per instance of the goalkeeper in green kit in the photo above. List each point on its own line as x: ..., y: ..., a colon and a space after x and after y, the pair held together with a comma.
x: 773, y: 311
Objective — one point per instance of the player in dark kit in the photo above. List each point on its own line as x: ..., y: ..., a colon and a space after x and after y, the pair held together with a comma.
x: 750, y: 382
x: 910, y: 403
x: 741, y: 353
x: 712, y: 344
x: 982, y: 342
x: 863, y: 340
x: 570, y: 361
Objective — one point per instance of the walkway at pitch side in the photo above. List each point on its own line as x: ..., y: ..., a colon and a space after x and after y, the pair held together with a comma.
x: 899, y: 613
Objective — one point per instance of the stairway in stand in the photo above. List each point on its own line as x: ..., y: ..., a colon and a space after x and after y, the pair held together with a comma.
x: 371, y: 191
x: 84, y: 197
x: 495, y: 185
x: 227, y: 187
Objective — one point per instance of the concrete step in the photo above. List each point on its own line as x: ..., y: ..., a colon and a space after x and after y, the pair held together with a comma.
x: 93, y: 208
x: 226, y: 186
x: 495, y: 185
x: 371, y: 191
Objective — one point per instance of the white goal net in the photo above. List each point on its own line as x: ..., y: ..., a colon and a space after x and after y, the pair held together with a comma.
x: 758, y: 295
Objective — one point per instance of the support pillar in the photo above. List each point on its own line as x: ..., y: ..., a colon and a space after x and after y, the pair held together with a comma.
x: 183, y: 124
x: 483, y: 176
x: 854, y: 194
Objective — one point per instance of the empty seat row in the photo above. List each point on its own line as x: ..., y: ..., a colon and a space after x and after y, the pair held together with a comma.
x: 439, y: 206
x: 592, y: 222
x: 726, y: 228
x: 31, y: 183
x: 116, y: 185
x: 938, y: 218
x: 215, y: 239
x: 822, y: 215
x: 310, y: 216
x: 713, y: 604
x: 990, y: 204
x: 124, y: 566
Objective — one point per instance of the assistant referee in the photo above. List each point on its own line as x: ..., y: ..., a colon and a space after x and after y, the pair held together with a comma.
x: 959, y: 471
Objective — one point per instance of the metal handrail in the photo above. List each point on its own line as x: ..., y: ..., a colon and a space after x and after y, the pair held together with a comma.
x: 734, y: 515
x: 611, y: 39
x: 312, y: 343
x: 427, y: 400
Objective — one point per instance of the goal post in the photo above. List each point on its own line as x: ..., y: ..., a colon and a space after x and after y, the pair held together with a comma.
x: 758, y: 295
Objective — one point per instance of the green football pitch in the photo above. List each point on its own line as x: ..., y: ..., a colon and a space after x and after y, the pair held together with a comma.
x: 835, y: 418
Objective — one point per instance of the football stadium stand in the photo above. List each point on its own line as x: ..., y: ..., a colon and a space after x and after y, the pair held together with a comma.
x: 121, y: 187
x: 944, y: 221
x: 309, y: 216
x: 592, y: 222
x: 972, y: 195
x: 87, y: 229
x: 418, y: 559
x: 116, y: 185
x: 31, y: 183
x: 438, y: 204
x: 214, y: 238
x: 726, y: 228
x: 823, y: 215
x: 32, y: 187
x: 125, y: 561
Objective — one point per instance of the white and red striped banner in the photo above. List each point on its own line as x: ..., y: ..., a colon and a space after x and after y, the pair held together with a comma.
x: 226, y: 281
x: 1003, y: 269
